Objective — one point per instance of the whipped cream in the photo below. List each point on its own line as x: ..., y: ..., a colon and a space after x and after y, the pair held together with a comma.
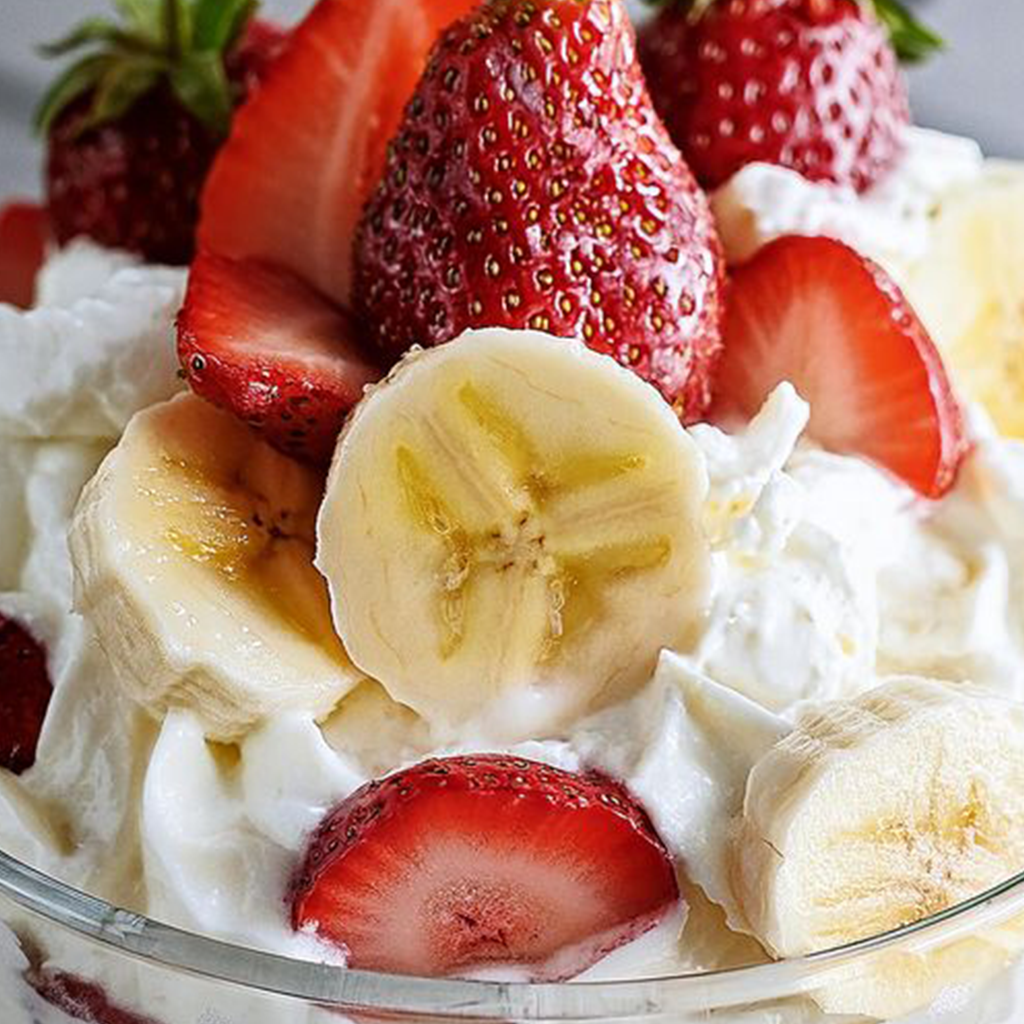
x: 891, y: 222
x: 98, y: 348
x: 828, y: 575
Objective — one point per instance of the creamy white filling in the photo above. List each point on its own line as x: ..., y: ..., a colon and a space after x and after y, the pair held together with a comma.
x: 891, y: 222
x: 99, y: 348
x: 828, y: 573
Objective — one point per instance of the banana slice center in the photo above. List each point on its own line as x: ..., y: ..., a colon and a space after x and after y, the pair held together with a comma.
x: 570, y: 524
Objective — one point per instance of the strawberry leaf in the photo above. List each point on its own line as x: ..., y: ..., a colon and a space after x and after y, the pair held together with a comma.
x: 218, y: 24
x: 180, y: 43
x: 177, y: 27
x: 143, y: 17
x: 123, y: 84
x: 201, y: 85
x: 913, y: 41
x: 79, y: 79
x: 93, y: 30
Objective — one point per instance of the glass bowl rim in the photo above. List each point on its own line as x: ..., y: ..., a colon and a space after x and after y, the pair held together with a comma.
x: 257, y: 972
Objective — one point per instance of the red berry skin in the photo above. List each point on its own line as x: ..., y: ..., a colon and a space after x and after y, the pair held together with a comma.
x: 25, y: 691
x: 532, y: 186
x: 460, y: 862
x: 24, y: 236
x: 135, y: 183
x: 812, y: 85
x: 259, y: 342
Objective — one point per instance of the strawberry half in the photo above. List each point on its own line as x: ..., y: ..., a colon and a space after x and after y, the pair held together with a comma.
x: 306, y: 151
x: 466, y: 862
x: 532, y: 186
x: 818, y: 314
x: 257, y: 341
x: 25, y: 691
x: 24, y: 232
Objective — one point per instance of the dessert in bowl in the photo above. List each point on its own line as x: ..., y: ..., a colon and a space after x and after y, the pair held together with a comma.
x: 496, y: 558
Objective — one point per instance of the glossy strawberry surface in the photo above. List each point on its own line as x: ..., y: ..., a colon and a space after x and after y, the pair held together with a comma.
x: 531, y: 185
x: 812, y: 85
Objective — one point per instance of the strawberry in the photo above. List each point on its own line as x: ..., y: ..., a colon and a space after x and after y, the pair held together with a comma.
x: 134, y: 125
x: 306, y: 152
x: 813, y: 85
x: 24, y: 231
x: 25, y: 692
x: 814, y: 312
x: 256, y: 340
x: 463, y: 862
x: 81, y: 1000
x: 531, y: 185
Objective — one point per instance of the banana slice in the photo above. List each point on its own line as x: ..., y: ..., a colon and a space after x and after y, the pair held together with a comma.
x: 193, y: 555
x: 877, y: 813
x: 512, y: 532
x: 969, y: 291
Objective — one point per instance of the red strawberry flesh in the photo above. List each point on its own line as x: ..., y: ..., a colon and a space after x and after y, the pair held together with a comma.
x: 25, y: 691
x: 306, y: 151
x: 24, y: 231
x: 82, y: 1000
x: 532, y: 186
x: 813, y: 85
x: 257, y: 341
x: 816, y: 313
x: 468, y: 862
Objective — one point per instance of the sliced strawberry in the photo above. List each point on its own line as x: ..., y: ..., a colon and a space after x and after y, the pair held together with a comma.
x: 24, y: 231
x: 466, y: 862
x: 306, y: 152
x: 259, y: 342
x: 25, y: 692
x: 82, y: 1000
x: 818, y: 314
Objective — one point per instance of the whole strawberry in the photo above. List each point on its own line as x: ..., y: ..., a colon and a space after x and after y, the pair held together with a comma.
x: 134, y: 125
x: 812, y: 85
x: 532, y: 185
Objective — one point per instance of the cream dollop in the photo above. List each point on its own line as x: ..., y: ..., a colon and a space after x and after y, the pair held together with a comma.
x: 98, y: 348
x: 891, y: 222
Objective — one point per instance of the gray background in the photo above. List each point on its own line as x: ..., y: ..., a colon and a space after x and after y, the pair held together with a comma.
x: 976, y: 88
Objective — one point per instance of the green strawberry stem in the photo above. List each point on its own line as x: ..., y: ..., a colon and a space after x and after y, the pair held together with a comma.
x: 178, y: 44
x: 913, y: 41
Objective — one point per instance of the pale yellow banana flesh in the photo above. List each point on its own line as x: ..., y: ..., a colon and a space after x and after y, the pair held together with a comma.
x: 513, y: 516
x: 193, y: 551
x: 878, y: 813
x: 969, y: 289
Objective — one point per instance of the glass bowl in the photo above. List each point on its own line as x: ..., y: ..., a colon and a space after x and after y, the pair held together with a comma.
x: 66, y: 956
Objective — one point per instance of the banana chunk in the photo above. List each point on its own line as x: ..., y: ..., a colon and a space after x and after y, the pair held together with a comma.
x: 876, y: 813
x: 968, y: 289
x: 512, y: 532
x: 193, y: 555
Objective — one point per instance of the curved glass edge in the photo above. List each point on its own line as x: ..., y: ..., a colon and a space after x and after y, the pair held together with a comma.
x: 220, y: 962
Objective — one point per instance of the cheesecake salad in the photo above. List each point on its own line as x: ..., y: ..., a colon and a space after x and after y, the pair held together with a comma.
x: 695, y: 643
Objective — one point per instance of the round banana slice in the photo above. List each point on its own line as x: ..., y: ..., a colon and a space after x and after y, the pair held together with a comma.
x: 512, y: 533
x: 193, y: 555
x: 969, y: 291
x: 876, y: 813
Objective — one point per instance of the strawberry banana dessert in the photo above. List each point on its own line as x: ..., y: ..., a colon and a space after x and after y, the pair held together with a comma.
x: 496, y: 556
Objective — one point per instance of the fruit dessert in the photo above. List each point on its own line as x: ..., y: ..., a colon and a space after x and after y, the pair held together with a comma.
x: 495, y: 555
